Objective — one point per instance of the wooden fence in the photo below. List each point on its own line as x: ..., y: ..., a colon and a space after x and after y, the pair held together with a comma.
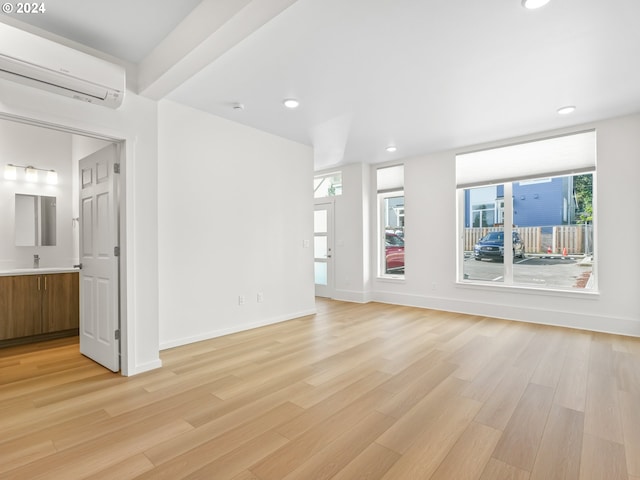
x: 559, y: 239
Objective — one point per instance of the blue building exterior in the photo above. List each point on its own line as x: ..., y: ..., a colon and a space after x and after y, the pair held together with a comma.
x: 540, y: 202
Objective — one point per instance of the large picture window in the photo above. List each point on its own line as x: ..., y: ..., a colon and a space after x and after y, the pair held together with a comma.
x: 527, y: 214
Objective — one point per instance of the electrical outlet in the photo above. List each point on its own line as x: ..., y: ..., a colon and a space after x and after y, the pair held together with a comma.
x: 260, y: 297
x: 241, y: 300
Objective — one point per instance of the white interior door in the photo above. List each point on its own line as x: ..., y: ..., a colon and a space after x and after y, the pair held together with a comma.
x: 99, y: 282
x: 323, y: 249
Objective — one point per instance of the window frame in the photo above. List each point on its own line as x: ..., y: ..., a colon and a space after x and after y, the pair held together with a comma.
x: 381, y: 228
x: 508, y: 229
x: 465, y: 180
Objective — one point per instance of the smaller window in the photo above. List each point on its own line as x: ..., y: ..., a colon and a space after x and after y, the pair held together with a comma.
x: 392, y: 221
x: 327, y: 185
x: 390, y: 186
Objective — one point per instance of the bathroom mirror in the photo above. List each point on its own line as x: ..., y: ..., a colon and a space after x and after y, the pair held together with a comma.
x: 35, y: 220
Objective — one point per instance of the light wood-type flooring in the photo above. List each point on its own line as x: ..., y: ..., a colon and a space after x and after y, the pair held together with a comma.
x: 355, y: 392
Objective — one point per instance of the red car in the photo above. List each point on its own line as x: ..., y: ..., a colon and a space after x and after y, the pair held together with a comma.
x: 394, y: 253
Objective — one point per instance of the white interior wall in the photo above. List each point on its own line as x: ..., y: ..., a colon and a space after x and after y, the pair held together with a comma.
x: 22, y: 144
x: 431, y: 249
x: 136, y: 123
x: 235, y: 207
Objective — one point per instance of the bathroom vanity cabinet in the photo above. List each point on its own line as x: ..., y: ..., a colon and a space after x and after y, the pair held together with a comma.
x: 38, y: 306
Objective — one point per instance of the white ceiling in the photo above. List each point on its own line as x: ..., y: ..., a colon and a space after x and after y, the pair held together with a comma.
x: 126, y: 29
x: 425, y: 75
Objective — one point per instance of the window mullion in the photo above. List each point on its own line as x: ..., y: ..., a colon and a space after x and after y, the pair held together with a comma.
x: 508, y: 236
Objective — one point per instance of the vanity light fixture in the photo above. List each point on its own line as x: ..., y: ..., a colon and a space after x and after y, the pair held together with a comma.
x: 566, y: 110
x: 30, y: 173
x: 291, y: 103
x: 533, y: 4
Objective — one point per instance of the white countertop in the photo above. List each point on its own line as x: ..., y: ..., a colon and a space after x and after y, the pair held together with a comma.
x: 36, y: 271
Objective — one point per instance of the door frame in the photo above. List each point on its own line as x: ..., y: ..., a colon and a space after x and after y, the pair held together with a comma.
x: 126, y: 345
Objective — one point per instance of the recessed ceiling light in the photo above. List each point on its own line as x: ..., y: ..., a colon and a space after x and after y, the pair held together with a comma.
x: 533, y: 4
x: 291, y: 103
x: 566, y: 110
x: 391, y: 148
x: 238, y: 106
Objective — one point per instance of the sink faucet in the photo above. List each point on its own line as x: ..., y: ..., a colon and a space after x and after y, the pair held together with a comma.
x: 36, y: 261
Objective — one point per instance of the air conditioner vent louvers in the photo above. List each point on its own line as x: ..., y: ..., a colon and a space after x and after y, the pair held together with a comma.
x: 100, y: 93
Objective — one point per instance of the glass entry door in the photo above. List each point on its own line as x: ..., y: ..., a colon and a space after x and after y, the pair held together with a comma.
x: 323, y: 249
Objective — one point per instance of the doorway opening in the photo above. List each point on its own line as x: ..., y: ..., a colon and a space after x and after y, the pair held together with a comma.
x: 101, y: 312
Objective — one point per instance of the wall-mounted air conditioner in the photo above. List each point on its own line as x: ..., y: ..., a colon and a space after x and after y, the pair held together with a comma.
x: 41, y: 63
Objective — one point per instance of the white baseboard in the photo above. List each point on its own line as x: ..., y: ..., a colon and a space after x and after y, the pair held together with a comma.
x: 142, y: 368
x: 352, y: 296
x: 542, y: 316
x: 241, y: 328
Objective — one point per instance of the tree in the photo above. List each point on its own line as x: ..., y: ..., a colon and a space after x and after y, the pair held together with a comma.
x: 583, y: 195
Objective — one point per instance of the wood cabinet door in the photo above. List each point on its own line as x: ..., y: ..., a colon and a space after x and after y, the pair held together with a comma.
x: 6, y: 307
x: 26, y: 306
x: 61, y: 302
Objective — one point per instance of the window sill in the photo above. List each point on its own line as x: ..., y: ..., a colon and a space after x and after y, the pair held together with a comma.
x: 555, y: 292
x: 391, y: 278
